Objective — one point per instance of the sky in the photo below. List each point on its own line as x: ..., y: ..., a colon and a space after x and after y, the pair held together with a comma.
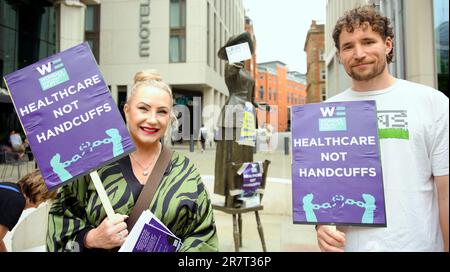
x: 281, y: 27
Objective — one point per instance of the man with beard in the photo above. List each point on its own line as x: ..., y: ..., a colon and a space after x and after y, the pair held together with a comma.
x: 413, y: 129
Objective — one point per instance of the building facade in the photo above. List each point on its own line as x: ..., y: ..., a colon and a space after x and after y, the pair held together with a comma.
x: 277, y: 90
x: 420, y: 43
x: 180, y: 39
x: 32, y: 30
x: 316, y: 69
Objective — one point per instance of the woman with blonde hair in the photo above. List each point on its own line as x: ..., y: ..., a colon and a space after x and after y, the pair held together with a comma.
x: 29, y: 192
x: 77, y: 220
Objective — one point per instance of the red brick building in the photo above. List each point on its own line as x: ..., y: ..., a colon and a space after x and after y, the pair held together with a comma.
x: 316, y: 68
x: 278, y: 89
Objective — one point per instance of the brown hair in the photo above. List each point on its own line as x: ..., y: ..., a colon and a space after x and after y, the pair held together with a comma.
x: 363, y: 17
x: 33, y: 186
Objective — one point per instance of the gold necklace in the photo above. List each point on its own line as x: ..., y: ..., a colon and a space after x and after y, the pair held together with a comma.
x: 145, y: 172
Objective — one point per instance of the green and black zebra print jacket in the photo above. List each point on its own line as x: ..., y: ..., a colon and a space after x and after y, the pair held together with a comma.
x: 181, y: 202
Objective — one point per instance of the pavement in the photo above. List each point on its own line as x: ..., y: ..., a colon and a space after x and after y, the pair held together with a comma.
x: 280, y: 234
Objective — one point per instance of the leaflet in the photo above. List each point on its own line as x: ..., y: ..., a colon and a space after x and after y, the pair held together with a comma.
x: 149, y: 234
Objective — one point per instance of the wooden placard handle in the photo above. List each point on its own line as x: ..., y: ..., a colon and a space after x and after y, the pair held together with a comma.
x: 102, y: 194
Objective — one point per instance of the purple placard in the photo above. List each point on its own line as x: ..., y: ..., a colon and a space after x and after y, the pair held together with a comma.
x: 252, y: 178
x: 336, y: 169
x: 68, y: 114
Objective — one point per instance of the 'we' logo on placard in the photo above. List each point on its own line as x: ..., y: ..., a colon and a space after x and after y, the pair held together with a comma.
x: 332, y: 111
x: 54, y: 73
x: 333, y: 119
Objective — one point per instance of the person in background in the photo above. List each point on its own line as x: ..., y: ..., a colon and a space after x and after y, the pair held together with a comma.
x: 77, y: 220
x: 414, y: 149
x: 203, y: 136
x: 17, y: 144
x: 29, y: 192
x: 269, y: 132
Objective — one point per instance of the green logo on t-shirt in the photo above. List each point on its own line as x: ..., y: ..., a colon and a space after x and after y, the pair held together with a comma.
x: 393, y: 124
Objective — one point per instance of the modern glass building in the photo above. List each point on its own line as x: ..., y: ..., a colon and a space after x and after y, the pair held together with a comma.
x: 440, y: 11
x: 31, y: 30
x: 27, y: 33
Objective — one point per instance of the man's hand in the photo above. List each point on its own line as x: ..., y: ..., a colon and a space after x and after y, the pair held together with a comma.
x: 329, y: 239
x: 442, y: 189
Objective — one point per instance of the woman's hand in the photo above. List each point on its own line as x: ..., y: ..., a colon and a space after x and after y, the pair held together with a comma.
x: 329, y: 239
x: 109, y: 234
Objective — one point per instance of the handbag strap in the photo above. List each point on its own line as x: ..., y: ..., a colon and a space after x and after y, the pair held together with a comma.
x: 147, y: 193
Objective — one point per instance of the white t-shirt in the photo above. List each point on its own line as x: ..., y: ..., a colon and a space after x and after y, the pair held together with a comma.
x: 408, y: 164
x: 204, y: 132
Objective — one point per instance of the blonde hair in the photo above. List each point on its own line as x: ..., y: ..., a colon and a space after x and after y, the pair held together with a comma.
x: 33, y: 186
x: 152, y: 78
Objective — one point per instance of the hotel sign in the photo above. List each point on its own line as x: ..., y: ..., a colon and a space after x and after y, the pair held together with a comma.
x: 144, y: 29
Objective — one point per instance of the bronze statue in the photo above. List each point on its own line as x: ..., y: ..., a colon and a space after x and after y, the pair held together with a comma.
x: 241, y: 88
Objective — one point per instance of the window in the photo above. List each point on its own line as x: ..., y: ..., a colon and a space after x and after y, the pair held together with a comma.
x: 89, y: 19
x: 270, y: 94
x: 177, y: 13
x: 215, y: 42
x: 177, y: 48
x: 27, y: 34
x: 324, y: 94
x: 323, y: 74
x: 92, y: 29
x: 232, y: 16
x: 208, y: 37
x: 222, y: 66
x: 275, y: 94
x: 261, y: 92
x: 177, y: 43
